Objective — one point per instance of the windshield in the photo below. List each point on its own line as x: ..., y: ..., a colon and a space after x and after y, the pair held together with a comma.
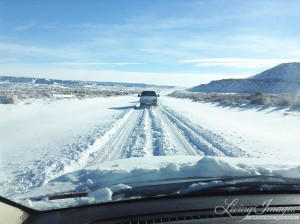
x: 76, y: 129
x: 148, y: 93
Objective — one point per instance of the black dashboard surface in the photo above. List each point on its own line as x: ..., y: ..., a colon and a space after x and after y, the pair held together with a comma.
x: 285, y: 208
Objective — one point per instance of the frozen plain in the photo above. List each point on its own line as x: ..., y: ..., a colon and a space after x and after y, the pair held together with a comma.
x: 45, y: 140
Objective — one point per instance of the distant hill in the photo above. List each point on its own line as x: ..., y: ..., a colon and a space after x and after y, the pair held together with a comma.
x: 289, y: 72
x: 14, y: 79
x: 284, y: 78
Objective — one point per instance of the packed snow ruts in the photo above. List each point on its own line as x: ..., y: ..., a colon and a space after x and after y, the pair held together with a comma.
x: 139, y: 132
x: 174, y: 127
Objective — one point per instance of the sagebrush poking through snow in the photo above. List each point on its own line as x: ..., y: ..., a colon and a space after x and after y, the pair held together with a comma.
x: 242, y: 99
x: 8, y: 99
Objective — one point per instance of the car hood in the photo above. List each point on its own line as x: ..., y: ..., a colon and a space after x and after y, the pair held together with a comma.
x: 101, y: 180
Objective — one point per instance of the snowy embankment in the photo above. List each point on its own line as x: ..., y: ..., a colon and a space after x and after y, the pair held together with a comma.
x: 257, y: 99
x: 266, y: 134
x: 27, y: 93
x: 44, y: 141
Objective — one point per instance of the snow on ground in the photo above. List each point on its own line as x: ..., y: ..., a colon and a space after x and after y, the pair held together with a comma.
x: 41, y: 141
x: 268, y: 133
x: 45, y: 141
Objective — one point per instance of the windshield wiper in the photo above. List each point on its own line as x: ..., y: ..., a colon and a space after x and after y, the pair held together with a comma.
x: 68, y: 195
x: 191, y: 186
x: 58, y: 196
x: 245, y: 184
x: 211, y: 185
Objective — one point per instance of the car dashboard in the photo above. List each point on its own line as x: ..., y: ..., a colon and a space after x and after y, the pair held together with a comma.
x: 266, y: 208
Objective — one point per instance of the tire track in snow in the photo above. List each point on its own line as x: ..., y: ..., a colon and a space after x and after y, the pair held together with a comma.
x: 140, y: 143
x: 204, y: 140
x: 197, y: 140
x: 114, y: 147
x: 139, y: 132
x: 75, y: 156
x: 159, y: 140
x: 166, y: 138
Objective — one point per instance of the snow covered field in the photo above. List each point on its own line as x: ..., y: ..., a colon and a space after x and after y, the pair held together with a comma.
x: 45, y: 140
x: 27, y: 93
x: 267, y: 134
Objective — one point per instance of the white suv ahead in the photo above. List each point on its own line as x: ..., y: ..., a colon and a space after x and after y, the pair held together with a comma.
x: 148, y: 98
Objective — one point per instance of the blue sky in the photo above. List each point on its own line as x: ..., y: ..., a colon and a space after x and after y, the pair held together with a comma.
x: 174, y: 42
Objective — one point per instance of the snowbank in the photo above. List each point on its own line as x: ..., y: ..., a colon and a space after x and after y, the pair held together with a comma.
x: 269, y: 133
x: 102, y: 180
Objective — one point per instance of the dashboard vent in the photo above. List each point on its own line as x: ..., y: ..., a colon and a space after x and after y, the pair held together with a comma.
x: 173, y: 219
x: 185, y: 217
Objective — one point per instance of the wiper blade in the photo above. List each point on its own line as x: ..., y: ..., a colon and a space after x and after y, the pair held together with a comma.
x: 69, y: 195
x: 238, y: 178
x: 245, y: 183
x: 182, y: 186
x: 58, y: 196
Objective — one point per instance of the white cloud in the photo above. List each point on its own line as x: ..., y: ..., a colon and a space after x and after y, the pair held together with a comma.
x: 37, y: 51
x: 238, y: 62
x: 97, y: 63
x: 57, y: 72
x: 26, y: 26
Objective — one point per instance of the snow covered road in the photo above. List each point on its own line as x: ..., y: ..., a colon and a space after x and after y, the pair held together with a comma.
x: 159, y: 132
x: 70, y: 135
